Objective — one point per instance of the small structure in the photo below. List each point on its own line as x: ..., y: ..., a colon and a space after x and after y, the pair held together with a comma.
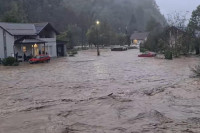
x: 138, y: 38
x: 25, y: 39
x: 61, y: 48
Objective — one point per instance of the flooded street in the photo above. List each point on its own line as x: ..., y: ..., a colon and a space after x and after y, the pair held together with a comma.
x: 114, y: 93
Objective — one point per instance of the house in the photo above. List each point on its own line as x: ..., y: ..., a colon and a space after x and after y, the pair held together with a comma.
x: 138, y: 38
x: 31, y: 39
x: 175, y: 36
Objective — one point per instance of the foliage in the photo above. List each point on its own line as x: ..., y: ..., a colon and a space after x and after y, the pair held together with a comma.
x: 14, y: 14
x: 76, y: 20
x: 196, y: 70
x: 117, y: 13
x: 15, y: 64
x: 142, y: 50
x: 168, y: 55
x: 157, y: 40
x: 161, y: 40
x: 177, y: 20
x: 104, y: 35
x: 72, y: 52
x: 72, y: 35
x: 193, y: 27
x: 9, y: 61
x: 151, y: 24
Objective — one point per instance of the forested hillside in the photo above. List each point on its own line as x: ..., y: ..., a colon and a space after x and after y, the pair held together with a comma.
x: 133, y: 14
x: 78, y: 16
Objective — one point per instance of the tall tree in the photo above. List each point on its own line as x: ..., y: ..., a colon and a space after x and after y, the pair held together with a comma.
x: 194, y: 27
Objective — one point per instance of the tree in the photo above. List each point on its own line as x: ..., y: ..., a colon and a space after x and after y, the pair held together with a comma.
x: 16, y: 14
x: 92, y: 36
x: 132, y: 24
x: 72, y: 36
x: 104, y: 35
x: 151, y: 24
x: 177, y: 20
x: 194, y: 26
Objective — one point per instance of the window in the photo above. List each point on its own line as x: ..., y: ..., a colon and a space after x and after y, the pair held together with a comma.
x: 24, y: 48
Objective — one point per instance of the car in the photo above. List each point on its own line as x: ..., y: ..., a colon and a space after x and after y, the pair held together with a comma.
x: 39, y: 59
x: 147, y: 54
x: 119, y: 48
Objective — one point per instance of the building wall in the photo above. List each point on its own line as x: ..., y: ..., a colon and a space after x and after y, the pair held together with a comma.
x: 1, y: 44
x: 138, y: 42
x: 10, y: 45
x: 50, y: 46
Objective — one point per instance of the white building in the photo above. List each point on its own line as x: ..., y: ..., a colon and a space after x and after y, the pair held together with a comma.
x: 31, y: 39
x: 138, y: 38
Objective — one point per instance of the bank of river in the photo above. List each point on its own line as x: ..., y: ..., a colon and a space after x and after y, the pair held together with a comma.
x: 114, y: 93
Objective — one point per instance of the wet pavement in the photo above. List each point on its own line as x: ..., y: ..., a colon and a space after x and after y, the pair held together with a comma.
x: 114, y: 93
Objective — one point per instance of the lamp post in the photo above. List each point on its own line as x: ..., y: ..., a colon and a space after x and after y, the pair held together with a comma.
x: 97, y: 24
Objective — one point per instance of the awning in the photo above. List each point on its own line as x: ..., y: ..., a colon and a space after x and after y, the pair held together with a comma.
x: 29, y: 41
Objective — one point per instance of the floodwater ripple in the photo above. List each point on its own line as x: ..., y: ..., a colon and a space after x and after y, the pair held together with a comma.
x: 114, y: 93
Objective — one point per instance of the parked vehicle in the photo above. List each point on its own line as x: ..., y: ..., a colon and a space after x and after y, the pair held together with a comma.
x: 119, y: 48
x: 133, y: 47
x: 147, y: 54
x: 39, y: 59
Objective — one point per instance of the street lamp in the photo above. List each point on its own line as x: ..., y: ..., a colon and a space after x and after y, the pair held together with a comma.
x: 97, y: 24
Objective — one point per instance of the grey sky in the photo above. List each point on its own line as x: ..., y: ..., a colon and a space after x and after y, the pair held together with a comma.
x: 182, y: 6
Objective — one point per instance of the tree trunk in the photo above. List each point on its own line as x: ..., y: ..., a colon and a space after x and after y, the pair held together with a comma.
x: 197, y: 50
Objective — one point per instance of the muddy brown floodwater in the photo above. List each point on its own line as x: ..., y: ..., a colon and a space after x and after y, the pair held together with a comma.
x: 114, y: 93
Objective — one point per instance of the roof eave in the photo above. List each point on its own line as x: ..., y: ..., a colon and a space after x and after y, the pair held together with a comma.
x: 6, y: 31
x: 57, y: 33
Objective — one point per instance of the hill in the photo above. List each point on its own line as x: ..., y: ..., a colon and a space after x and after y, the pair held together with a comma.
x: 119, y: 14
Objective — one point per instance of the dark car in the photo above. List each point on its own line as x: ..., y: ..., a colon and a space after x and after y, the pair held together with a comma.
x: 119, y: 48
x: 39, y: 59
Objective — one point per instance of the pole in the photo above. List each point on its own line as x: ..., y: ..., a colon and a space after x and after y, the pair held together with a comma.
x: 97, y: 24
x: 98, y: 52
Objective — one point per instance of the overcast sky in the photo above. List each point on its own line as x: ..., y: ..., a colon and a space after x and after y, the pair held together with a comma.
x: 170, y: 6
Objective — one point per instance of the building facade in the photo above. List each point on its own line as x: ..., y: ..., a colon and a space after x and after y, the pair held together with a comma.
x: 138, y: 38
x: 27, y: 39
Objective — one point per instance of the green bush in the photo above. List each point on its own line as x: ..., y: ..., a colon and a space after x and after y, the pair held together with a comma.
x: 16, y: 64
x: 168, y: 55
x: 9, y: 61
x: 73, y: 52
x: 142, y: 50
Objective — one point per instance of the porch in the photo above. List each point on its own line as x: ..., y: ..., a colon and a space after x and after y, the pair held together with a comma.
x: 27, y: 48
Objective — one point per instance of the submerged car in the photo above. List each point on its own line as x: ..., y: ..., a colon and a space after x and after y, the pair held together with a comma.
x: 39, y: 59
x: 119, y: 48
x: 147, y: 54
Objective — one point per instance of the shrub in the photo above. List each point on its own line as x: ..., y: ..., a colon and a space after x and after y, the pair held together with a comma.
x: 9, y: 61
x: 142, y: 50
x: 168, y: 55
x: 196, y: 70
x: 16, y: 64
x: 73, y: 52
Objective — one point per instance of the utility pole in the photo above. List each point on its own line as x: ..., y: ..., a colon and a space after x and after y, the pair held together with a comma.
x: 97, y: 25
